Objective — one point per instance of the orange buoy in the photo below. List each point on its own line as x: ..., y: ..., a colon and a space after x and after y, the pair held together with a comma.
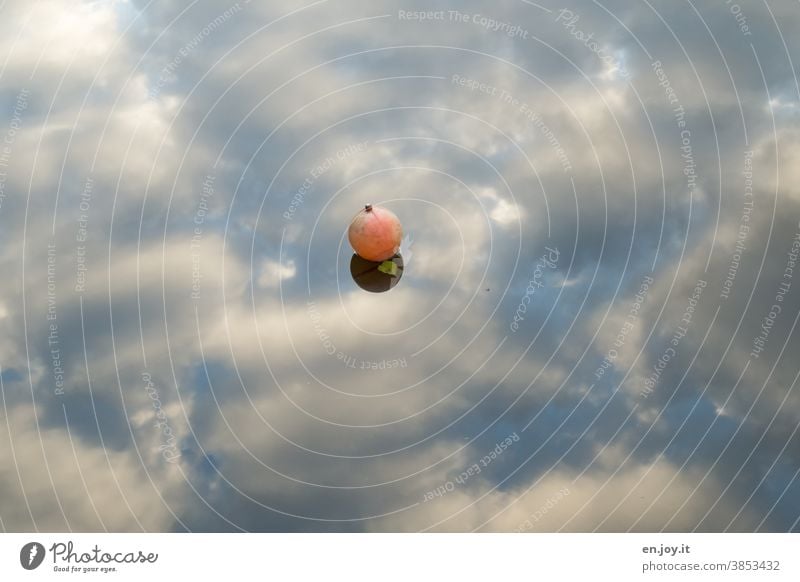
x: 375, y: 233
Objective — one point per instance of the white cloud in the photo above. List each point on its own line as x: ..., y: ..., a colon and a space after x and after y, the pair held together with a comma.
x: 273, y: 272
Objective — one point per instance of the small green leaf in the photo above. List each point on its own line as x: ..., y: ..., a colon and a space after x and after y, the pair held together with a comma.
x: 388, y: 267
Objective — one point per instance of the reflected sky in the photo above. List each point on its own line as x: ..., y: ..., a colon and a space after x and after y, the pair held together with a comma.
x: 595, y: 325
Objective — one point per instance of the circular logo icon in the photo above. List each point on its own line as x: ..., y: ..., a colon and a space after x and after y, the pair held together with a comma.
x: 31, y: 555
